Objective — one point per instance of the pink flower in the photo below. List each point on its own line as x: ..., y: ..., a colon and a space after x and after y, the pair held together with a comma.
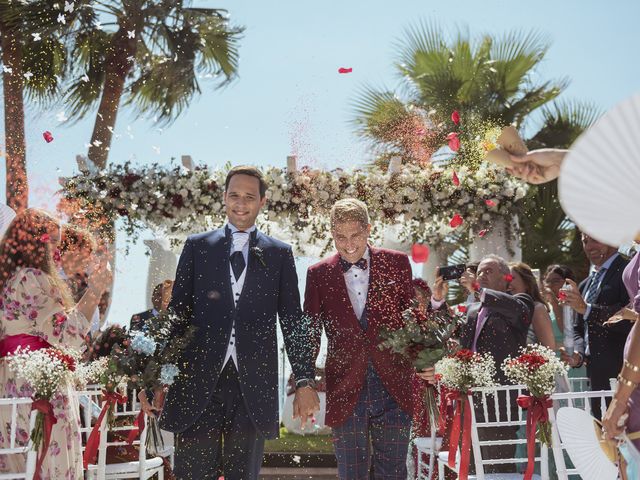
x: 33, y: 314
x: 454, y: 141
x: 456, y: 221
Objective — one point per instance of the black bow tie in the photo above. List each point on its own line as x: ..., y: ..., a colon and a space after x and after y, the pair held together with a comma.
x: 361, y: 264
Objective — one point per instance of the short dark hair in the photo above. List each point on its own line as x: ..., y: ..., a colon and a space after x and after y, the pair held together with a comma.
x: 560, y: 270
x: 252, y: 172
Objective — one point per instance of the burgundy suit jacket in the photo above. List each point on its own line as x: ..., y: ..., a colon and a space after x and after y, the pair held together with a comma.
x: 350, y: 348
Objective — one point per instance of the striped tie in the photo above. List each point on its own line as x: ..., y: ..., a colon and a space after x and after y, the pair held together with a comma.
x: 590, y: 297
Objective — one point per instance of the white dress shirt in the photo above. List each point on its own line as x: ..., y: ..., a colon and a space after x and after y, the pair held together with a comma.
x: 357, y: 281
x: 240, y: 244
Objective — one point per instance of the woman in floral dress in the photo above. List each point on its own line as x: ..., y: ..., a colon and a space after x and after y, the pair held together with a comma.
x: 36, y: 302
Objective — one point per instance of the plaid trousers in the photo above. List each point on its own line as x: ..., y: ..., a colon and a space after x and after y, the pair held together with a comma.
x: 377, y: 424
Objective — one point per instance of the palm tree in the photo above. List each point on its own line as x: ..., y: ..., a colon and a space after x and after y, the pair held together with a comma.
x: 33, y: 60
x: 149, y: 53
x: 486, y: 79
x: 551, y: 236
x: 489, y: 81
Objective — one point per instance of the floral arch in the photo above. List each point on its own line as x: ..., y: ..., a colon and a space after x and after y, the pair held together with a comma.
x: 438, y: 206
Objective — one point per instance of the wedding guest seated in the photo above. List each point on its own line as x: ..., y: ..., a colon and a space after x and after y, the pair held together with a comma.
x: 37, y: 309
x: 524, y: 281
x: 160, y: 299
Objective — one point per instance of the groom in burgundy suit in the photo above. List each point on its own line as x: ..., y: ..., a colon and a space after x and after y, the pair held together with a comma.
x: 353, y: 295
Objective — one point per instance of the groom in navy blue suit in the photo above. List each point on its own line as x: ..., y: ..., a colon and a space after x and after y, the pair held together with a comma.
x: 232, y: 283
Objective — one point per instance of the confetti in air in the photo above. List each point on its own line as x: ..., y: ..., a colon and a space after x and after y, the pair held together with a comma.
x: 345, y: 70
x: 47, y: 136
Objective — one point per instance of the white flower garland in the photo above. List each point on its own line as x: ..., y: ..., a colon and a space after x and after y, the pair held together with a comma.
x: 422, y: 201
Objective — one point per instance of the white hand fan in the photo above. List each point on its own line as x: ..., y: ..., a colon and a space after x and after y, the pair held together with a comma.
x: 7, y: 214
x: 580, y: 439
x: 600, y: 177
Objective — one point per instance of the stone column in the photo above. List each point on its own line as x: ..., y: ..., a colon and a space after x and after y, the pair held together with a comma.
x: 162, y: 264
x: 495, y: 242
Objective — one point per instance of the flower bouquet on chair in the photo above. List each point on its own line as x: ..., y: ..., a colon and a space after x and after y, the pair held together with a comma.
x: 46, y: 370
x: 151, y: 363
x: 536, y: 368
x: 459, y: 373
x: 423, y: 339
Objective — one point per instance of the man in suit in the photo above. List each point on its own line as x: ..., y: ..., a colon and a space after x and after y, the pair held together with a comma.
x: 160, y: 299
x: 232, y: 283
x: 600, y: 296
x: 353, y: 295
x: 496, y: 324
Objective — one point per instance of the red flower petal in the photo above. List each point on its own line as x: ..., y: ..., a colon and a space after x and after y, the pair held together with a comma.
x: 44, y: 238
x: 562, y: 295
x: 47, y: 136
x: 482, y: 233
x: 419, y: 253
x: 490, y: 203
x: 455, y: 117
x: 456, y: 221
x: 462, y: 308
x: 508, y: 277
x: 454, y: 141
x: 475, y: 286
x: 345, y: 70
x: 456, y: 180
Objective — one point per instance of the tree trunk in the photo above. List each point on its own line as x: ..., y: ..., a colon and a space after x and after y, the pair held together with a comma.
x: 17, y: 190
x: 119, y: 65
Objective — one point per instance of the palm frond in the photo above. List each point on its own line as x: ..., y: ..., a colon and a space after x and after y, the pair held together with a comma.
x: 564, y: 122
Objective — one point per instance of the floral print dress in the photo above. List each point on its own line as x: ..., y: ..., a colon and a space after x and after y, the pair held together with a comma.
x: 31, y: 304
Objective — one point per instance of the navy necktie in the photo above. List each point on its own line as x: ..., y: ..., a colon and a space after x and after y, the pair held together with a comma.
x: 237, y: 264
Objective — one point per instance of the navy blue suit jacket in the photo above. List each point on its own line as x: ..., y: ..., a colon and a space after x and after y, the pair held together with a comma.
x: 202, y: 292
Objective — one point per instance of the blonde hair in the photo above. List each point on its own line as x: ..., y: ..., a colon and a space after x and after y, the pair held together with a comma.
x: 349, y: 210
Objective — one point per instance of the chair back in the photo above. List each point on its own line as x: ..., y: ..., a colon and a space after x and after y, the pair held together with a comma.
x: 497, y: 407
x: 17, y: 441
x: 588, y: 401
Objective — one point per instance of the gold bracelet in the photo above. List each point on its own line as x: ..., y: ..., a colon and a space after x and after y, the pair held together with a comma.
x: 631, y: 366
x: 626, y: 382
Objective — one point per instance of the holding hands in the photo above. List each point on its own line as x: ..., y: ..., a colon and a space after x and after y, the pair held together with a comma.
x: 305, y: 404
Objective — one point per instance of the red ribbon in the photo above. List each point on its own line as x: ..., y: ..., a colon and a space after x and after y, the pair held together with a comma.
x: 537, y: 411
x: 136, y: 427
x: 93, y: 442
x: 10, y: 343
x: 44, y: 407
x: 461, y: 418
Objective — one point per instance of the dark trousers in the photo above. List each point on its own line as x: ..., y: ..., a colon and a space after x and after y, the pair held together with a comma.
x: 377, y: 424
x: 224, y: 439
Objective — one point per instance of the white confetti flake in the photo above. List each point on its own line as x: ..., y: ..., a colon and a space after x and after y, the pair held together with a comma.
x: 6, y: 69
x: 68, y: 7
x: 97, y: 143
x: 36, y: 37
x: 131, y: 33
x: 61, y: 19
x: 28, y: 75
x: 85, y: 78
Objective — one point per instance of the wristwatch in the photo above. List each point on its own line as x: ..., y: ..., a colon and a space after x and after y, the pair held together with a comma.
x: 306, y: 382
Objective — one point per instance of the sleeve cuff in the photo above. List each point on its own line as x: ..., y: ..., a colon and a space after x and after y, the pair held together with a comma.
x: 587, y: 312
x: 435, y: 304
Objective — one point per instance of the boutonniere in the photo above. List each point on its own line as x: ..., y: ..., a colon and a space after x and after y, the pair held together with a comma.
x: 259, y: 254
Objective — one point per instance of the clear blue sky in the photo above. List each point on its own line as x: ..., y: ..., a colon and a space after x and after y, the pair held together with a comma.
x: 289, y: 95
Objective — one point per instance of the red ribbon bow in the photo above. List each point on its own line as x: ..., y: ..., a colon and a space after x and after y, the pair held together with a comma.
x: 139, y: 421
x: 93, y: 442
x: 537, y: 411
x: 462, y: 418
x: 44, y: 407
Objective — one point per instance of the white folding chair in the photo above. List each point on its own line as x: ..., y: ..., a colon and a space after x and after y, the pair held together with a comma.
x: 143, y: 469
x: 500, y: 405
x: 13, y: 448
x: 426, y: 447
x: 584, y: 400
x: 580, y: 384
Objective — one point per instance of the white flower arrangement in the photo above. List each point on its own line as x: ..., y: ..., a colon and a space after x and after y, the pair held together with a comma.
x: 466, y: 370
x: 536, y: 367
